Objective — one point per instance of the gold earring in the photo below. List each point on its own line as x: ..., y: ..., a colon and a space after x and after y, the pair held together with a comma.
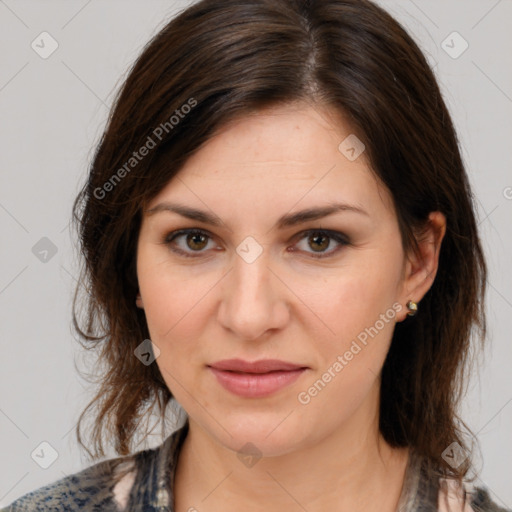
x: 412, y: 307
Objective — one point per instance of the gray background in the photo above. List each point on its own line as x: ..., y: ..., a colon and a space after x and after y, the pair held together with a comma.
x: 52, y: 113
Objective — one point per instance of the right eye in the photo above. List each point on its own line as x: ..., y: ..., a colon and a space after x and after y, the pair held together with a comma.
x: 192, y: 240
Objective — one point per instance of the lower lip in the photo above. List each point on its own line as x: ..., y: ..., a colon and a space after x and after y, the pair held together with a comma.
x: 256, y: 385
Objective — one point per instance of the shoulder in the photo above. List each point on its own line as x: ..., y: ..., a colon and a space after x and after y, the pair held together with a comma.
x: 454, y: 498
x: 101, y: 486
x: 140, y: 481
x: 482, y: 502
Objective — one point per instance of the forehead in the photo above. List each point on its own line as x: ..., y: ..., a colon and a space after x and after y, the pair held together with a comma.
x: 294, y: 135
x: 278, y: 156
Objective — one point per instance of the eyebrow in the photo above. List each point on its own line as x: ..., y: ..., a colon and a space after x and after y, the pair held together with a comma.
x: 287, y: 220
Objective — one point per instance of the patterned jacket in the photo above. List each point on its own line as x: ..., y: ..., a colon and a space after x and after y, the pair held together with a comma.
x: 142, y: 482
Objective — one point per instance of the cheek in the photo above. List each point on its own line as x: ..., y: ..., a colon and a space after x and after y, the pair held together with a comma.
x: 174, y: 313
x: 354, y: 300
x: 171, y: 298
x: 357, y: 307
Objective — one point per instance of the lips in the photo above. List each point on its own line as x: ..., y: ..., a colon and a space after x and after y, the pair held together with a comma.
x: 263, y: 366
x: 255, y: 379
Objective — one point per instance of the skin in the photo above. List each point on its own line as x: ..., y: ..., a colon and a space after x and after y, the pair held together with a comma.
x: 285, y: 305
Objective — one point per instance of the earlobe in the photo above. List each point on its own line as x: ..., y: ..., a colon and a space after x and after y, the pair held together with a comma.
x: 138, y: 301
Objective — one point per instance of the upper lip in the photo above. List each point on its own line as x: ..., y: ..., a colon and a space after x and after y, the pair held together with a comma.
x: 261, y: 366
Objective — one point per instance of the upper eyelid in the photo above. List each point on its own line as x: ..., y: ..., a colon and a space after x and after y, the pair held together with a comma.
x: 184, y: 231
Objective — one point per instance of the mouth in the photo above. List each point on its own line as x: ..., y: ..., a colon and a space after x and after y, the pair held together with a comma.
x: 255, y: 379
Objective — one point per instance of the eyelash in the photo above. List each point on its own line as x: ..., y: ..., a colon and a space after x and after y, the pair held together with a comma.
x: 333, y: 235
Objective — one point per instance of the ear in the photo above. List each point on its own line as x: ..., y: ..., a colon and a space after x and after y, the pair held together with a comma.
x: 421, y: 268
x: 138, y: 301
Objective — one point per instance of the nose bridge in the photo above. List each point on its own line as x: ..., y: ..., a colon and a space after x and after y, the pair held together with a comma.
x: 252, y: 303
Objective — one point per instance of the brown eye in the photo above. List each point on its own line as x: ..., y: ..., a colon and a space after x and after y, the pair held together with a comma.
x: 196, y: 241
x: 318, y: 241
x: 187, y: 241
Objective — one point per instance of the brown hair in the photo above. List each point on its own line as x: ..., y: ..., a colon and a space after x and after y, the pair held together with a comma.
x: 224, y: 59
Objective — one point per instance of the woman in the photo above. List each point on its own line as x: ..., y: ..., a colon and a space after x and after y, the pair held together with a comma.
x: 278, y: 232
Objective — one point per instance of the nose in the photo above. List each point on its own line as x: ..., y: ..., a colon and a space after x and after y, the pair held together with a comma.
x: 253, y: 300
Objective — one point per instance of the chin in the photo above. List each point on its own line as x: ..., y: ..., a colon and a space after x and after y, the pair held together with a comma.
x: 267, y: 432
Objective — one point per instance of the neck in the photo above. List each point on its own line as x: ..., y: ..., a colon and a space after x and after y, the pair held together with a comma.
x: 353, y: 469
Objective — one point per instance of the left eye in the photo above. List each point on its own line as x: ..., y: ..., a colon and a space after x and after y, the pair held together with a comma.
x: 321, y: 240
x: 196, y: 240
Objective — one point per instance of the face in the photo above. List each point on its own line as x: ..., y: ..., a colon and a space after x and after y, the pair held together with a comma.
x: 321, y: 293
